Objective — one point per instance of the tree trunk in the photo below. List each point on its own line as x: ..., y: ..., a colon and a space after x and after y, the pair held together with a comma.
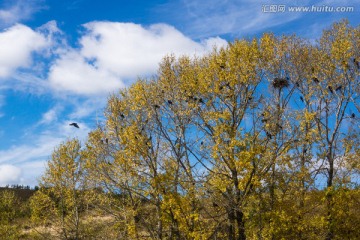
x: 240, y: 225
x: 329, y: 197
x: 231, y: 226
x: 159, y: 215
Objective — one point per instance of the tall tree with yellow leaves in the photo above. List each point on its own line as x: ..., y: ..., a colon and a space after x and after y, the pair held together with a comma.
x: 61, y: 199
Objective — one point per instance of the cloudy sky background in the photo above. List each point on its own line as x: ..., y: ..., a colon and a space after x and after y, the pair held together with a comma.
x: 59, y: 60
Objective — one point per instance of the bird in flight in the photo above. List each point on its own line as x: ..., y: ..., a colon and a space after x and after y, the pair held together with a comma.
x: 74, y: 124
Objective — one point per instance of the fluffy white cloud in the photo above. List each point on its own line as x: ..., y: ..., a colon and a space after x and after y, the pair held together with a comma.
x: 9, y: 174
x: 16, y: 46
x: 72, y: 72
x: 113, y: 53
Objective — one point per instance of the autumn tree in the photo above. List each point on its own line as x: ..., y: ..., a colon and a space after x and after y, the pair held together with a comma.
x: 60, y: 200
x: 256, y: 140
x: 10, y: 211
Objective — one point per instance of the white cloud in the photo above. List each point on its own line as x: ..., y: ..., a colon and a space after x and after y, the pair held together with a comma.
x: 72, y: 72
x: 19, y: 10
x: 32, y: 171
x: 112, y: 54
x: 129, y: 49
x: 16, y: 46
x: 9, y: 174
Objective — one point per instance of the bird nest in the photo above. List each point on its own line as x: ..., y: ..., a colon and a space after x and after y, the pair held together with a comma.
x: 280, y: 83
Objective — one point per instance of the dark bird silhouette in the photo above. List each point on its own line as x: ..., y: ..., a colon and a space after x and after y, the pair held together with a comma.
x: 297, y: 84
x: 202, y: 143
x: 170, y: 102
x: 338, y: 88
x: 315, y: 79
x: 201, y: 101
x: 74, y: 125
x: 356, y: 62
x: 156, y: 106
x: 268, y: 135
x: 122, y: 115
x: 331, y: 89
x: 106, y: 140
x: 353, y: 115
x: 301, y: 98
x: 264, y: 120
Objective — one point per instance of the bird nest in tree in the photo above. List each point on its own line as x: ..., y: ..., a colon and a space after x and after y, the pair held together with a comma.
x: 280, y: 83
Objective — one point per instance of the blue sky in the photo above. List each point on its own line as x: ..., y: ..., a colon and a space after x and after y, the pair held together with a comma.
x: 59, y: 59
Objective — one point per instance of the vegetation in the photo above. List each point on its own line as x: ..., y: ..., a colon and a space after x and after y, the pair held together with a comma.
x: 258, y: 140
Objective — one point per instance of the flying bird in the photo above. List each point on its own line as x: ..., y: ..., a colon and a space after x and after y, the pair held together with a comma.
x: 74, y: 125
x: 353, y: 115
x: 301, y: 98
x: 338, y: 88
